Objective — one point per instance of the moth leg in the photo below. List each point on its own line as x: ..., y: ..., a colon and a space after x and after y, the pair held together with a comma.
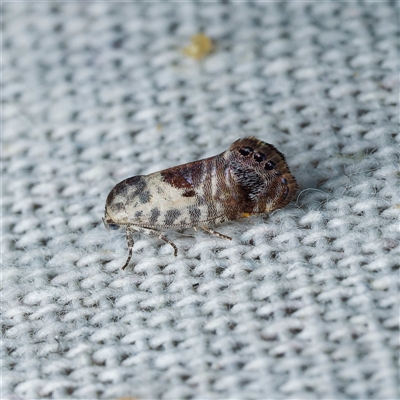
x: 159, y: 235
x: 209, y: 230
x: 129, y: 240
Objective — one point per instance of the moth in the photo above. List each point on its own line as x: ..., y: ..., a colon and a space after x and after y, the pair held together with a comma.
x: 251, y: 177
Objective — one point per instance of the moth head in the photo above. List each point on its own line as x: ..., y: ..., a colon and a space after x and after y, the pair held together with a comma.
x: 109, y: 223
x: 261, y: 173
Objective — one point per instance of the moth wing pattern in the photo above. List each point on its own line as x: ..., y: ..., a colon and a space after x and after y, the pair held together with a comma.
x: 161, y: 200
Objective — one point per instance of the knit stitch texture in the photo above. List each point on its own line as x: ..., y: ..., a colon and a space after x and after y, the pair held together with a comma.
x: 302, y: 303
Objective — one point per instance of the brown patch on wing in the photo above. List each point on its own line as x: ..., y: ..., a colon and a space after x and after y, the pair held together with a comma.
x: 189, y: 193
x: 175, y: 178
x: 186, y: 176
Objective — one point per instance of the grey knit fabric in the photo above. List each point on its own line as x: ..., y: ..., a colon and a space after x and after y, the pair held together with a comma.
x: 302, y: 303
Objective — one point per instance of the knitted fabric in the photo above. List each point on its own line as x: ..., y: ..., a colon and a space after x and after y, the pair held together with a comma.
x: 302, y: 303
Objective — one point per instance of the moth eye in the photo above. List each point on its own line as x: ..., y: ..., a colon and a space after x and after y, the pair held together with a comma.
x: 270, y: 165
x: 245, y: 151
x: 113, y: 227
x: 260, y: 157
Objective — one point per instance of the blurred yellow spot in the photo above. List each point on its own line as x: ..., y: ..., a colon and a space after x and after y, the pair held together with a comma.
x: 128, y: 398
x: 245, y: 215
x: 200, y: 47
